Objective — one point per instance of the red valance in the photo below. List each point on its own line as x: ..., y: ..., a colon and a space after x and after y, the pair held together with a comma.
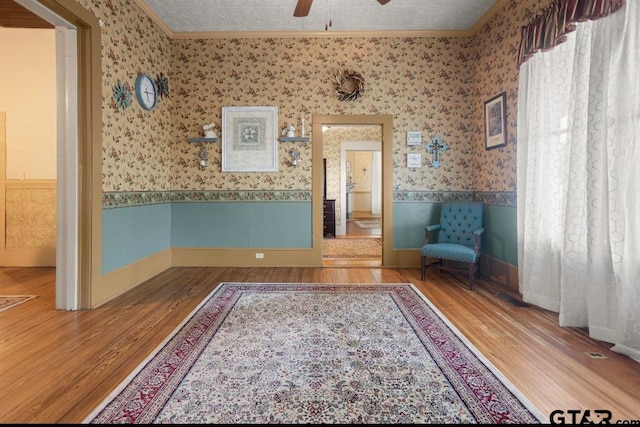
x: 551, y: 27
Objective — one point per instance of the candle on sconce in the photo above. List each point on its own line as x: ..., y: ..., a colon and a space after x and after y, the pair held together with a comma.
x: 302, y: 127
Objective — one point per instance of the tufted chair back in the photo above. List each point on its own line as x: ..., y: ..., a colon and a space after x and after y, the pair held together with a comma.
x: 458, y: 221
x: 459, y: 239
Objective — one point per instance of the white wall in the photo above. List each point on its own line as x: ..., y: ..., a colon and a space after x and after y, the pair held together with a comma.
x: 28, y: 96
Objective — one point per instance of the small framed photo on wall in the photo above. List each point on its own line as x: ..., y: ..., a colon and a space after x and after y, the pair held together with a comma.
x: 495, y: 121
x: 414, y: 160
x: 414, y: 138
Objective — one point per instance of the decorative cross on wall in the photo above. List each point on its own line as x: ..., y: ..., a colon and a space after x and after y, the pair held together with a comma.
x: 435, y: 147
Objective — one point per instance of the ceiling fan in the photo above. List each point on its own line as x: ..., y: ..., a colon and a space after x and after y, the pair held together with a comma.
x: 303, y: 6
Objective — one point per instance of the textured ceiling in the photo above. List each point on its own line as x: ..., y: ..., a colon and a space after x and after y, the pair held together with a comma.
x: 343, y: 15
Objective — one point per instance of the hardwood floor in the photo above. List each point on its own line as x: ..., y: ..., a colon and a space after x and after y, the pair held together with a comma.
x: 56, y: 365
x: 353, y: 231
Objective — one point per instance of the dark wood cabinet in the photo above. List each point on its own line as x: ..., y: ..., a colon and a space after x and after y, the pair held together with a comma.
x: 329, y: 218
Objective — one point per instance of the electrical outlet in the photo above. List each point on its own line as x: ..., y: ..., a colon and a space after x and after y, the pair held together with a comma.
x: 259, y: 255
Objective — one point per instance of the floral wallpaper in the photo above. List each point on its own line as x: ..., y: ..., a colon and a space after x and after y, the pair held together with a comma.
x: 434, y: 85
x: 425, y: 83
x: 135, y: 149
x: 494, y: 63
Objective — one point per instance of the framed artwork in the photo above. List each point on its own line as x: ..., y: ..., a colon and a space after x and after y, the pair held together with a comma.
x: 495, y: 121
x: 414, y: 138
x: 249, y: 139
x: 414, y: 160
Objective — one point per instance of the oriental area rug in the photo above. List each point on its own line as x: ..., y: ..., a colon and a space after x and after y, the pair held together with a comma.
x: 8, y: 301
x: 265, y: 353
x: 370, y: 247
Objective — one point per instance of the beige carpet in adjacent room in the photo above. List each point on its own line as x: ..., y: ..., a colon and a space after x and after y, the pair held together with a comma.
x: 352, y: 248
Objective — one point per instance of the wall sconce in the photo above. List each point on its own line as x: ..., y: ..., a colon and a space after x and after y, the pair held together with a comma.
x: 203, y: 158
x: 295, y: 157
x: 210, y: 136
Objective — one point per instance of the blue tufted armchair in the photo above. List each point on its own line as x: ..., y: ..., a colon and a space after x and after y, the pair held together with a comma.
x: 458, y: 240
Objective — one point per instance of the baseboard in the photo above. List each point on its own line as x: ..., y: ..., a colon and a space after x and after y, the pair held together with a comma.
x: 130, y: 276
x: 28, y: 257
x: 499, y: 272
x: 491, y: 269
x: 402, y: 258
x: 234, y: 257
x: 122, y: 280
x: 126, y: 278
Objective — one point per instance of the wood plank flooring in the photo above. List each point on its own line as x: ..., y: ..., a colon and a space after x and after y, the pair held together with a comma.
x: 56, y: 365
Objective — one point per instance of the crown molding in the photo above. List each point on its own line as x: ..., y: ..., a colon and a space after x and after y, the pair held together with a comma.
x: 498, y: 5
x: 493, y: 11
x: 155, y: 18
x: 315, y: 34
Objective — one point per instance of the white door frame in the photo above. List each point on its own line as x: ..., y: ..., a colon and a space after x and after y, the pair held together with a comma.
x: 341, y: 229
x: 67, y: 226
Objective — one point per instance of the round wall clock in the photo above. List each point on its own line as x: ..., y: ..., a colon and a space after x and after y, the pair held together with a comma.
x: 146, y: 92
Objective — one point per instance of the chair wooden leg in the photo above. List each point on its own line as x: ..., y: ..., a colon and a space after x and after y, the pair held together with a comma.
x: 423, y: 266
x: 472, y: 274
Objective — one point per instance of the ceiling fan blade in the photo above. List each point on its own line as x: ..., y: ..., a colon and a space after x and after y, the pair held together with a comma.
x: 383, y: 2
x: 302, y: 8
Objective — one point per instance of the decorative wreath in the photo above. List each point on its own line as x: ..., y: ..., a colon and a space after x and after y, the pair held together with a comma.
x: 163, y: 85
x: 122, y: 95
x: 348, y: 84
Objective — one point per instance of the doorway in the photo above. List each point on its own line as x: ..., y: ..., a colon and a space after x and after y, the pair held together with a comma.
x: 28, y: 131
x: 384, y: 126
x: 360, y: 188
x: 357, y: 186
x: 79, y: 122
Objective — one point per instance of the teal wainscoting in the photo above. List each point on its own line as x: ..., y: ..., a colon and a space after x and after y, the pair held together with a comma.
x: 130, y: 234
x: 409, y: 221
x: 500, y: 238
x: 240, y: 224
x: 412, y: 211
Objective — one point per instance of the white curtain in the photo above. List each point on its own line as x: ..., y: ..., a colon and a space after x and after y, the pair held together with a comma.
x: 578, y: 179
x: 376, y: 183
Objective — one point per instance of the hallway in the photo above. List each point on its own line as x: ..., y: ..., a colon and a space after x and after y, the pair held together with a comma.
x: 356, y: 232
